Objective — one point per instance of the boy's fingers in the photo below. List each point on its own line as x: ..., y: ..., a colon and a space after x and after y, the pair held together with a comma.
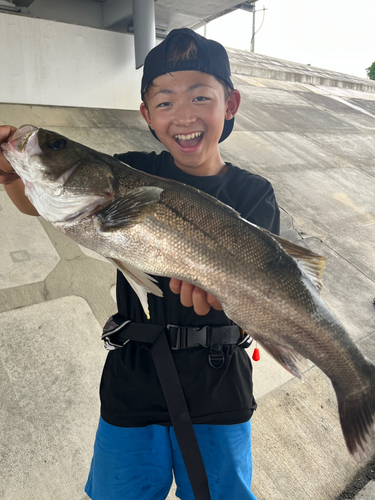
x: 191, y: 295
x: 175, y: 285
x: 214, y: 302
x: 7, y: 177
x: 5, y: 166
x: 7, y: 174
x: 201, y: 306
x: 186, y: 294
x: 5, y: 132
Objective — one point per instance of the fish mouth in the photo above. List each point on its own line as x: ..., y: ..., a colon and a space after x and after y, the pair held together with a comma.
x: 24, y: 141
x: 22, y: 145
x: 189, y: 140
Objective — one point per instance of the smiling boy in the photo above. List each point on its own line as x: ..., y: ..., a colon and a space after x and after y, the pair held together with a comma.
x: 188, y: 110
x: 189, y: 103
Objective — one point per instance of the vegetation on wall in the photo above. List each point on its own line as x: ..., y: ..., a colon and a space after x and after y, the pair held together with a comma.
x: 371, y: 71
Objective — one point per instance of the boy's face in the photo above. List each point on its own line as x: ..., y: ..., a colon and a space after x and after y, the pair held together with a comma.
x: 187, y: 109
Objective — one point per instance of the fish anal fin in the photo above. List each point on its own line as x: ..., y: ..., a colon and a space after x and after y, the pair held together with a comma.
x: 129, y: 209
x: 288, y: 358
x: 310, y: 262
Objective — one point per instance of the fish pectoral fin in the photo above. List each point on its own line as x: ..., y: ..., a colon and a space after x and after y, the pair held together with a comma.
x: 290, y: 359
x: 129, y: 209
x: 141, y: 282
x: 312, y: 263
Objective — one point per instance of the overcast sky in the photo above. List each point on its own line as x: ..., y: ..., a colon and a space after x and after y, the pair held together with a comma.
x: 332, y: 34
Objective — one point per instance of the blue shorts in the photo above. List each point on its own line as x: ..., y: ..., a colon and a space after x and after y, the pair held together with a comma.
x: 137, y: 463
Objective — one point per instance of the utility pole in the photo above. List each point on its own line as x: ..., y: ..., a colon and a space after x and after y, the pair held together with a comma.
x: 253, y: 32
x: 249, y: 6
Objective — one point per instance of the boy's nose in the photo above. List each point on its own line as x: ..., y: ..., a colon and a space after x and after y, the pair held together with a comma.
x: 185, y: 121
x: 184, y: 116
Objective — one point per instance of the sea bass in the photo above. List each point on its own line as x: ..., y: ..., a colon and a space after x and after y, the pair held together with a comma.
x: 151, y: 226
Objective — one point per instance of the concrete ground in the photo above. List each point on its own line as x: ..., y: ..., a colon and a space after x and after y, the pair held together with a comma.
x: 312, y: 135
x: 368, y: 492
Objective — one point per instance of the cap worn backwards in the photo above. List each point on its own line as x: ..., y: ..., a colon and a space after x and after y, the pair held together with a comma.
x: 211, y: 58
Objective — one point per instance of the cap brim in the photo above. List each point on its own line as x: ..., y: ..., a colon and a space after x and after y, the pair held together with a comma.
x: 228, y: 127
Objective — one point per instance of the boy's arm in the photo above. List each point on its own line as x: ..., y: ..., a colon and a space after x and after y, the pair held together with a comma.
x: 11, y: 181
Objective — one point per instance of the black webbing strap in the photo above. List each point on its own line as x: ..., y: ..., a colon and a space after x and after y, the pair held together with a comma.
x: 180, y: 417
x: 172, y: 390
x: 124, y: 330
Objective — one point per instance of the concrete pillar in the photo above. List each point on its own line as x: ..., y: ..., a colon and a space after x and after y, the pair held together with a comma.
x: 144, y: 29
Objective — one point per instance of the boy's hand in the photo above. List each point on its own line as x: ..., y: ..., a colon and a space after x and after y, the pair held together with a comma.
x: 12, y: 182
x: 191, y: 295
x: 7, y: 174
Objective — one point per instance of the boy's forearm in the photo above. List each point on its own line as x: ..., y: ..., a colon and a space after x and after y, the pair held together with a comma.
x: 16, y: 192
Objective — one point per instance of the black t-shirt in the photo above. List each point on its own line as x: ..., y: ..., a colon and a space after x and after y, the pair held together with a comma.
x: 131, y: 395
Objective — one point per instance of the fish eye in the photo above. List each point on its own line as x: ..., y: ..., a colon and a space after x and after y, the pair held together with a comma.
x: 58, y: 144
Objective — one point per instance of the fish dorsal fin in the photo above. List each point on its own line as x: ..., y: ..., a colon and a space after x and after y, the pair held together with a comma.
x: 288, y: 358
x: 312, y: 263
x: 129, y: 209
x: 141, y: 282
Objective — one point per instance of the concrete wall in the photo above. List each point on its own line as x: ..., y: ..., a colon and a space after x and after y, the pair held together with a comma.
x: 53, y: 63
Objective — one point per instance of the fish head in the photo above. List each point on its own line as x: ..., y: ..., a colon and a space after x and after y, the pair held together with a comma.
x: 64, y: 180
x: 38, y: 154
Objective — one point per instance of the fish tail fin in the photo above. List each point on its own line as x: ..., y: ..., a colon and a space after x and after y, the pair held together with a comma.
x: 357, y: 418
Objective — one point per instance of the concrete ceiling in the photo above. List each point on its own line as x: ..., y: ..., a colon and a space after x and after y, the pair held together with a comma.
x: 117, y: 15
x: 146, y: 19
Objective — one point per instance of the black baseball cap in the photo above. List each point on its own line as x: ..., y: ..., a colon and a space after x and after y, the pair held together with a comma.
x: 211, y: 58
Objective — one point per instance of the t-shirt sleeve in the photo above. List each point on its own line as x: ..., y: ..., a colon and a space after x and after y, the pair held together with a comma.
x: 136, y: 159
x: 255, y: 200
x: 150, y: 163
x: 266, y: 212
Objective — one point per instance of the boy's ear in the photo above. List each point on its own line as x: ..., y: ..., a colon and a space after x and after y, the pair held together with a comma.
x: 145, y: 113
x: 233, y: 103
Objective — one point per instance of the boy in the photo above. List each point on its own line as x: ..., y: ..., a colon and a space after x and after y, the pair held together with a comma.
x: 189, y: 103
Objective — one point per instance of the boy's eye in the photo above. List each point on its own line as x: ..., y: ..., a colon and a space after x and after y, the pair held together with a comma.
x: 201, y: 98
x: 163, y: 104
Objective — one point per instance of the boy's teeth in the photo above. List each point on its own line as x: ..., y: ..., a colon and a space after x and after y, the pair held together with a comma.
x: 183, y: 137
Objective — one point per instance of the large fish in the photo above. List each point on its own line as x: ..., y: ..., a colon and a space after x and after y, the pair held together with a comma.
x: 148, y: 225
